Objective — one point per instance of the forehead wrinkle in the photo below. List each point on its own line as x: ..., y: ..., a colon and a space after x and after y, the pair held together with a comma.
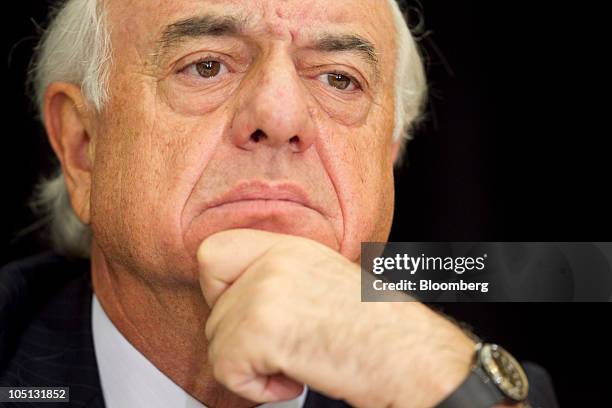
x: 239, y: 22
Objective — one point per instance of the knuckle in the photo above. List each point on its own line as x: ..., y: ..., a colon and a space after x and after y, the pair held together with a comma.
x: 222, y: 371
x: 209, y: 249
x: 205, y: 268
x: 273, y: 276
x: 280, y: 259
x: 203, y: 253
x: 220, y: 359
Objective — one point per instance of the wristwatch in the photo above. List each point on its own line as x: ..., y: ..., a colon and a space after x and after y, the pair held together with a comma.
x: 496, y: 378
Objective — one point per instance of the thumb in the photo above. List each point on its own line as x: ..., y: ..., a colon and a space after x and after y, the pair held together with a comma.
x: 223, y: 257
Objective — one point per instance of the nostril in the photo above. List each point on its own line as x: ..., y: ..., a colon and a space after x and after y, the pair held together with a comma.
x: 294, y: 140
x: 258, y: 135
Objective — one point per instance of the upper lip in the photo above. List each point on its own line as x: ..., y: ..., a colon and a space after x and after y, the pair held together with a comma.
x: 261, y: 190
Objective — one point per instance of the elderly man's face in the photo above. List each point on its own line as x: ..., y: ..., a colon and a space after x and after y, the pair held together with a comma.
x: 267, y: 114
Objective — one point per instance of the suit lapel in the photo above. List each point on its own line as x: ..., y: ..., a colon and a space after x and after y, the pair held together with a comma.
x: 316, y: 400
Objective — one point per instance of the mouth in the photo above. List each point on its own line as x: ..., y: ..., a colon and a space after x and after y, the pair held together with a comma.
x: 263, y: 196
x: 283, y: 207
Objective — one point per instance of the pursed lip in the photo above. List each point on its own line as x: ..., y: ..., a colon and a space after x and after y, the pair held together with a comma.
x: 263, y: 191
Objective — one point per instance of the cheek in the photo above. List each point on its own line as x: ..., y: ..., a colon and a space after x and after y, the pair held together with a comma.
x: 191, y: 99
x: 146, y: 168
x: 361, y: 167
x: 350, y: 110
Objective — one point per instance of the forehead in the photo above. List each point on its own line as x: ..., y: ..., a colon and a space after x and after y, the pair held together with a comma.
x: 139, y: 23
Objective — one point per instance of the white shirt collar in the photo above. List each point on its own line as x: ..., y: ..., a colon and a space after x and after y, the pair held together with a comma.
x: 128, y: 379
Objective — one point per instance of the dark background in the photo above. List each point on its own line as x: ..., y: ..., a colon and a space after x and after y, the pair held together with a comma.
x: 515, y: 147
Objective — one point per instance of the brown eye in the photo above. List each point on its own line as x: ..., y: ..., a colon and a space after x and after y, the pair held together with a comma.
x: 339, y: 81
x: 208, y: 69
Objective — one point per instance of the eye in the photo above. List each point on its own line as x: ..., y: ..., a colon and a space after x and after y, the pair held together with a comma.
x: 206, y: 69
x: 339, y: 81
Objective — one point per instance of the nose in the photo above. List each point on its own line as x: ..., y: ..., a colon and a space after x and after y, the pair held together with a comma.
x: 274, y: 110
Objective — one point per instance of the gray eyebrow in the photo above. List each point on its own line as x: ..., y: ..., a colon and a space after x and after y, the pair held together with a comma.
x: 213, y: 25
x: 349, y: 43
x: 210, y: 25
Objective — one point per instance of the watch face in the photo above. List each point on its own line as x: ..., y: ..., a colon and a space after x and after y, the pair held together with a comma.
x: 505, y: 371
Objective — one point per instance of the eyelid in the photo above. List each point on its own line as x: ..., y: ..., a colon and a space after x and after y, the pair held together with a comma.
x: 327, y: 69
x: 354, y: 75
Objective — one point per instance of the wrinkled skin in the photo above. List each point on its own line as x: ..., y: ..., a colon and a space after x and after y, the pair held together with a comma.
x: 168, y: 177
x: 187, y: 140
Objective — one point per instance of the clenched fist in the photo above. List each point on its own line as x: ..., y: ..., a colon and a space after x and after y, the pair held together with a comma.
x: 287, y: 311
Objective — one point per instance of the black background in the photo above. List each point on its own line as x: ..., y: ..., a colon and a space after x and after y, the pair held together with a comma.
x: 515, y: 148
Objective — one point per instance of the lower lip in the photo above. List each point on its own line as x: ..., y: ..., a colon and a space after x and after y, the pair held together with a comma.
x: 259, y: 207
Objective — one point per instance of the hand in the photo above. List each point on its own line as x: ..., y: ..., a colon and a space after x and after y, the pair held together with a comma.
x: 287, y: 311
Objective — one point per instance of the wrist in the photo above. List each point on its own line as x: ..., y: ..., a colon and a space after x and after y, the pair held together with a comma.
x: 436, y: 361
x: 496, y: 380
x: 452, y: 367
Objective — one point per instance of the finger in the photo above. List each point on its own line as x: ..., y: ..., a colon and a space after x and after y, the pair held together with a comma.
x: 271, y: 388
x: 245, y: 366
x: 223, y: 258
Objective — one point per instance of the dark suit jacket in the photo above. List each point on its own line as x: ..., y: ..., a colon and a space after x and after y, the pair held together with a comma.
x: 46, y: 339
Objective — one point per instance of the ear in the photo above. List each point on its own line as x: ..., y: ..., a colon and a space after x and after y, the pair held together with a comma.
x: 67, y: 125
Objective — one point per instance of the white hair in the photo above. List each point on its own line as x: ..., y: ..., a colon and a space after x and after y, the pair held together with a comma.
x: 76, y: 48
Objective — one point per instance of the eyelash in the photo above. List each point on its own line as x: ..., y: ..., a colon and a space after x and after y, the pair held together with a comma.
x: 356, y: 83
